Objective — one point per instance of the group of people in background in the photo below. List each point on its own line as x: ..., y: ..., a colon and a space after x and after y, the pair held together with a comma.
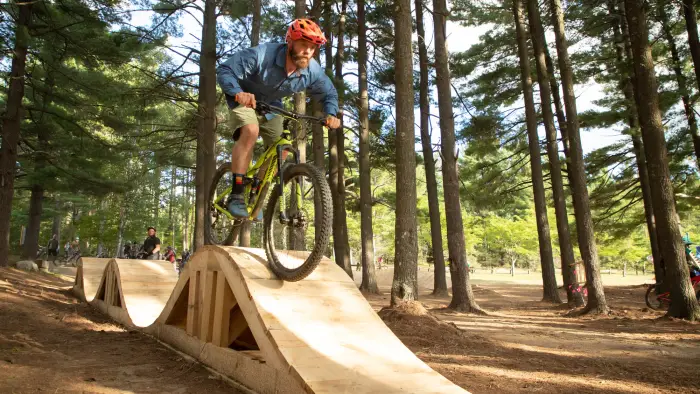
x: 149, y: 250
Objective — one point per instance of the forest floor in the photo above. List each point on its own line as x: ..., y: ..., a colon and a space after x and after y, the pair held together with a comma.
x: 50, y: 342
x: 525, y: 345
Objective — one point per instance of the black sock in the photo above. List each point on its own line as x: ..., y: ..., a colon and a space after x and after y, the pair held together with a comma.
x: 237, y: 186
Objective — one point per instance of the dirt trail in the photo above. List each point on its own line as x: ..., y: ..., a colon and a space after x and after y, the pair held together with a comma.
x: 526, y: 345
x: 50, y: 342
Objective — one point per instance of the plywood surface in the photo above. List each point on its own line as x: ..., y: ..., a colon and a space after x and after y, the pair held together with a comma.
x: 146, y: 286
x: 89, y: 276
x: 324, y: 330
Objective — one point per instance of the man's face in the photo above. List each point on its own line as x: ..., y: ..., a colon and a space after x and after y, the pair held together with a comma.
x: 151, y: 232
x: 301, y: 52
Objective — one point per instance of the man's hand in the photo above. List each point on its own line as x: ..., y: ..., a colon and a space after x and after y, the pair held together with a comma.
x: 332, y: 122
x: 246, y: 99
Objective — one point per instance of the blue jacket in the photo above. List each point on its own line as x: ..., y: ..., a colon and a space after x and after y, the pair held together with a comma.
x: 261, y: 70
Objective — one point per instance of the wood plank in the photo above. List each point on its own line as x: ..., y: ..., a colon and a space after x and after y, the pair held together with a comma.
x: 193, y: 304
x: 238, y: 325
x: 207, y: 300
x: 222, y: 310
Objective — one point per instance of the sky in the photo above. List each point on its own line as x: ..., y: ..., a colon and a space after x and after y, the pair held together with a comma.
x: 459, y: 39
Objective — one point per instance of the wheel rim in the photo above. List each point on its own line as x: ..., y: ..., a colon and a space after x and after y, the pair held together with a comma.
x: 293, y: 239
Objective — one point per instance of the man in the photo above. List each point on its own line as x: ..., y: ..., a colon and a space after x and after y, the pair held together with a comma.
x: 52, y: 247
x: 152, y: 245
x: 270, y: 72
x: 127, y: 250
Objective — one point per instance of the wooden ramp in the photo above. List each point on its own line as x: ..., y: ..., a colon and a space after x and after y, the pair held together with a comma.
x: 229, y: 311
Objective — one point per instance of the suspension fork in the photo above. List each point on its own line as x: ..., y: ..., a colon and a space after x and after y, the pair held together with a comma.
x: 280, y: 177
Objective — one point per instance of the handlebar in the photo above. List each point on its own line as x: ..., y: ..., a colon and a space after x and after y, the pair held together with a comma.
x: 263, y: 108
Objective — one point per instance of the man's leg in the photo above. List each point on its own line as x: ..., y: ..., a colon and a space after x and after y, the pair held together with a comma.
x: 244, y: 123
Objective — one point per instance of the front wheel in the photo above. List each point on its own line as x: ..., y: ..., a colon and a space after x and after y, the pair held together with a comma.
x: 220, y: 229
x: 655, y: 301
x: 297, y: 222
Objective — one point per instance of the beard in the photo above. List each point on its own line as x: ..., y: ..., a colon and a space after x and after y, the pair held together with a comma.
x: 299, y: 60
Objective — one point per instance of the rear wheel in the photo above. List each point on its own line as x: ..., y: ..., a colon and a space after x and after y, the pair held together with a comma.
x: 297, y: 222
x: 219, y: 228
x: 654, y: 301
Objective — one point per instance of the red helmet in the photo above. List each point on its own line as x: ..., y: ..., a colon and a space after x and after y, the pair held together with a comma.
x: 305, y: 29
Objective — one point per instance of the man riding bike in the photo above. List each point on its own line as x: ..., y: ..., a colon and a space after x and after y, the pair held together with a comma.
x: 270, y: 72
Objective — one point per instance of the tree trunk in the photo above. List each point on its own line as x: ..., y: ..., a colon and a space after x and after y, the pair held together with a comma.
x: 369, y: 280
x: 101, y: 230
x: 439, y: 280
x: 556, y: 98
x: 577, y: 172
x: 186, y: 202
x: 120, y: 233
x: 206, y: 127
x: 680, y: 79
x: 56, y: 227
x: 623, y: 53
x: 257, y: 18
x: 683, y: 302
x: 549, y: 280
x: 11, y: 127
x: 403, y: 287
x: 173, y: 186
x: 336, y: 146
x: 156, y: 196
x: 691, y: 25
x: 462, y: 295
x: 574, y: 295
x: 297, y: 235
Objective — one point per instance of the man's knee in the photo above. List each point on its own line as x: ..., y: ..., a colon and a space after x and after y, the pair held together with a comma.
x: 249, y: 133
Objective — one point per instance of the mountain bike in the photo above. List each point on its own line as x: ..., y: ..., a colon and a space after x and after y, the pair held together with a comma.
x: 661, y: 301
x: 298, y: 216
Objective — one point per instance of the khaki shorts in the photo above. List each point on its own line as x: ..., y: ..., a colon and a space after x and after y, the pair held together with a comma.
x: 270, y: 130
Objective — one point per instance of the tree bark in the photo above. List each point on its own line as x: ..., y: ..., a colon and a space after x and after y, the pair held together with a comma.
x: 462, y: 295
x: 297, y: 235
x: 11, y: 127
x: 257, y: 18
x: 680, y: 79
x: 336, y: 148
x: 549, y: 280
x: 577, y: 172
x: 439, y: 279
x: 683, y: 302
x: 623, y: 56
x: 56, y: 227
x: 404, y: 286
x: 120, y: 233
x: 246, y: 227
x: 369, y: 280
x: 556, y: 97
x: 206, y: 127
x: 101, y: 230
x: 691, y: 25
x: 186, y: 202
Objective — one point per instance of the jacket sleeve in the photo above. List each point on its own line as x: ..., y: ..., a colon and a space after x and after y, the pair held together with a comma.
x: 240, y: 66
x: 323, y: 90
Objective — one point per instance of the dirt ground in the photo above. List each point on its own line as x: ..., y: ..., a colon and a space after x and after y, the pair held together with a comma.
x: 49, y: 342
x: 524, y: 345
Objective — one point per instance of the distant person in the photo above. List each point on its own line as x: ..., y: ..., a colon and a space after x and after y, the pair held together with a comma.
x: 170, y: 254
x: 66, y: 248
x: 127, y: 250
x: 52, y: 247
x: 151, y: 246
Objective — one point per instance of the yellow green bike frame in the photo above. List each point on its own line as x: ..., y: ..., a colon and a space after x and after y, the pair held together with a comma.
x: 256, y: 188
